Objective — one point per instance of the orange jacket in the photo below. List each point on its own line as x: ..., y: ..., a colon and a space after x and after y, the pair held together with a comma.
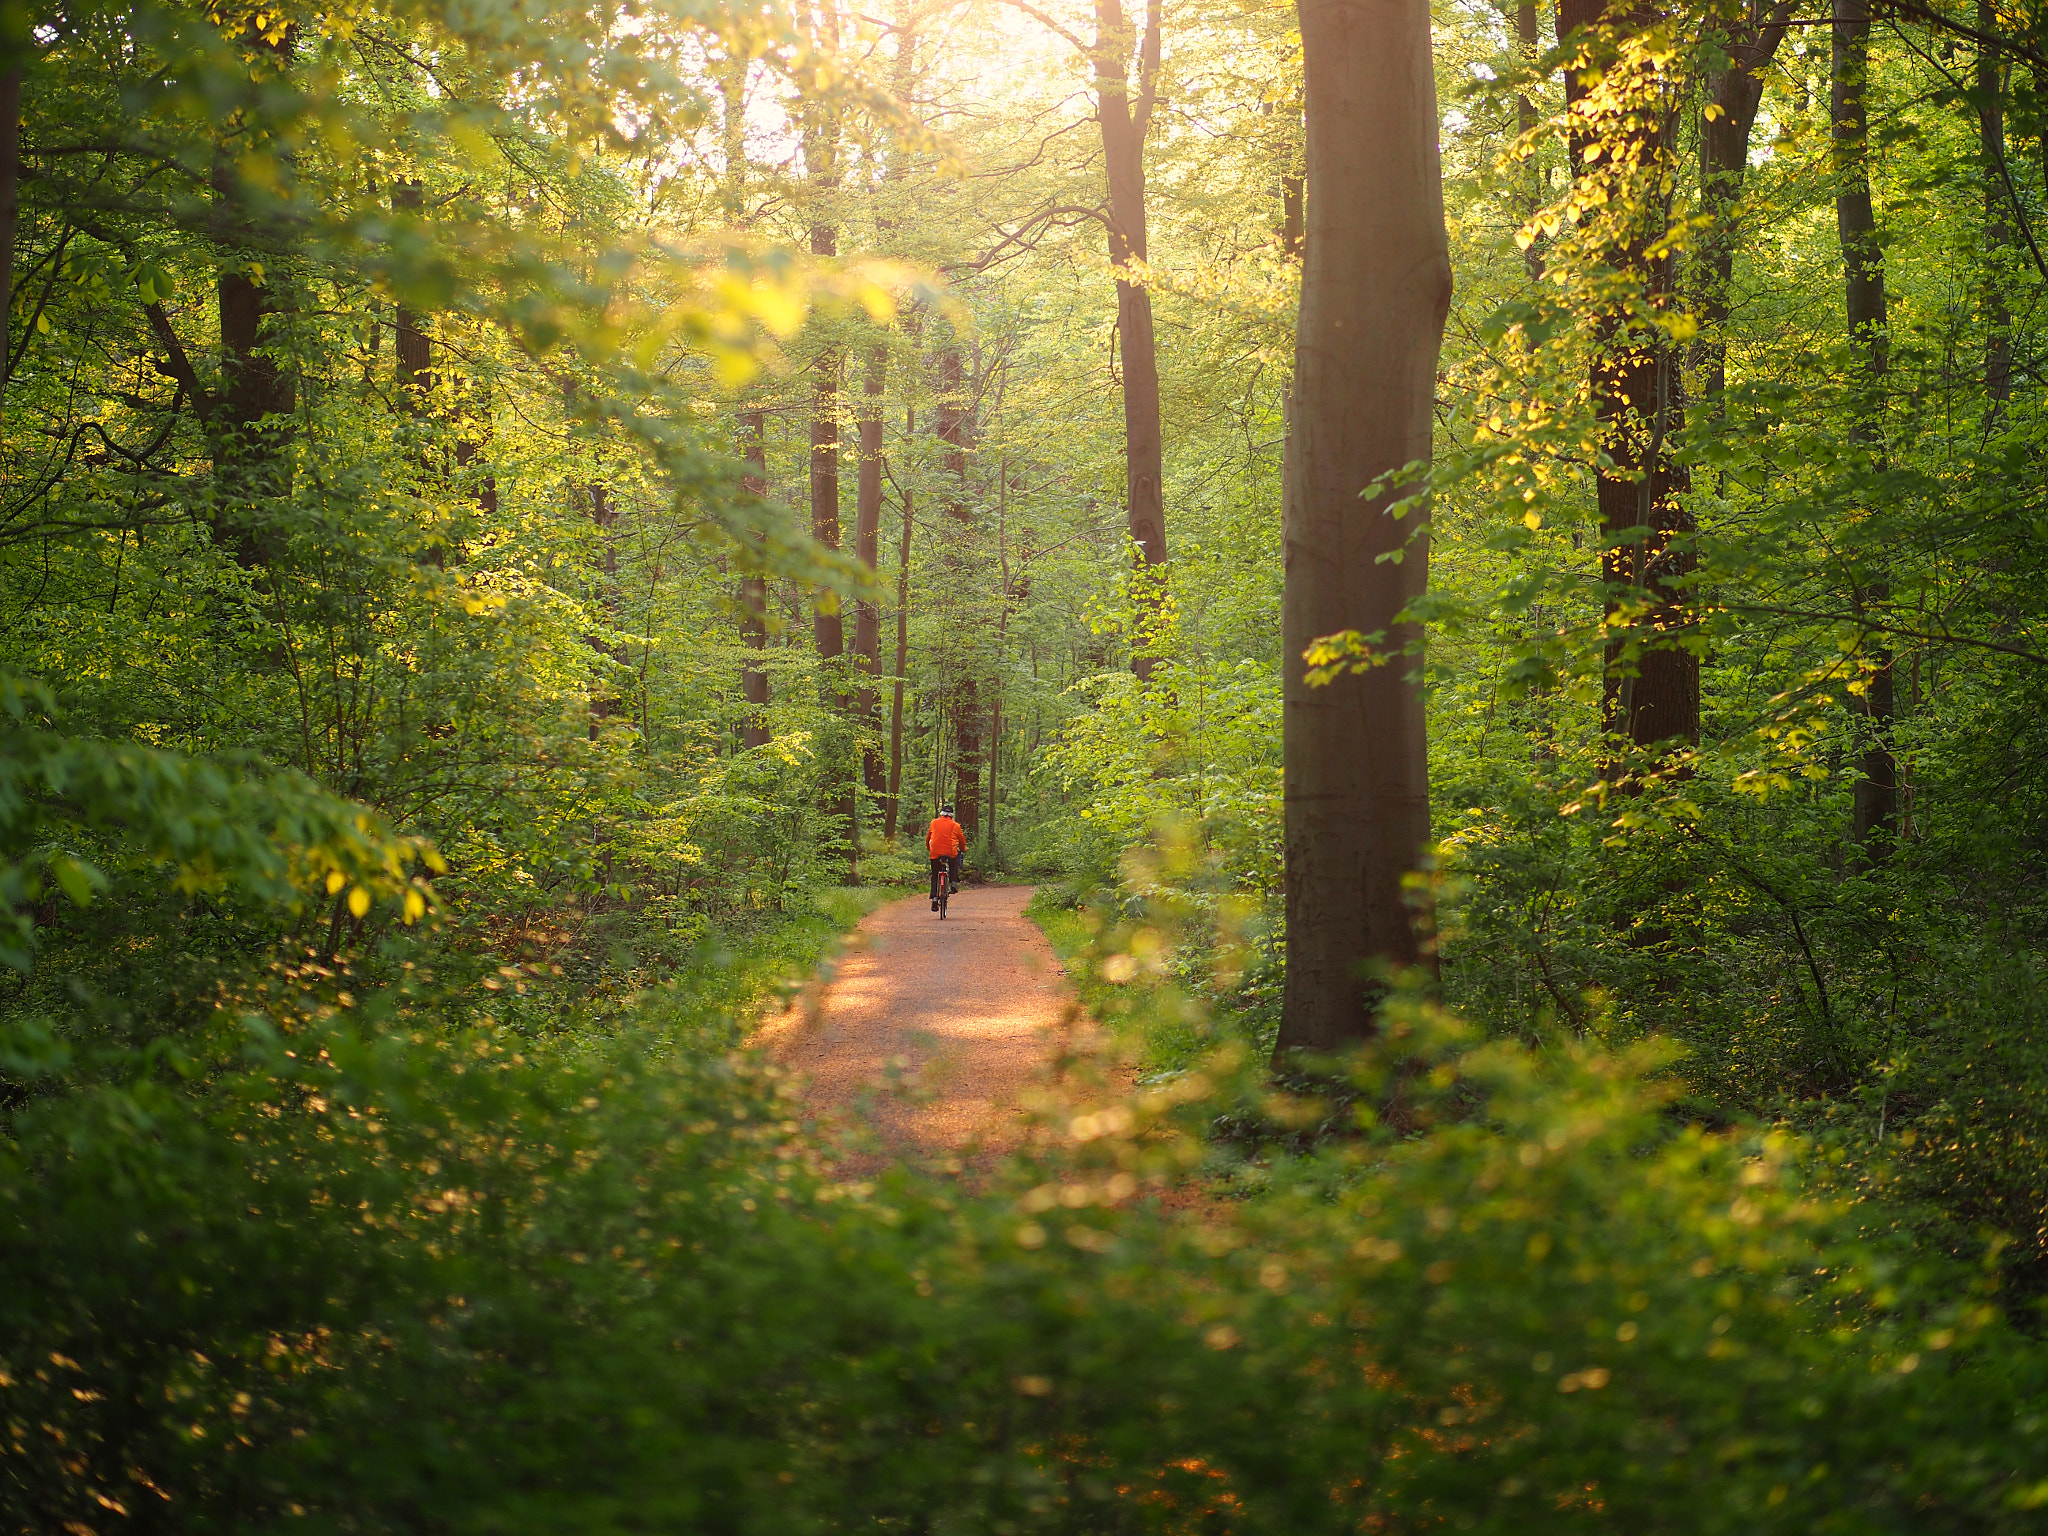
x: 945, y: 837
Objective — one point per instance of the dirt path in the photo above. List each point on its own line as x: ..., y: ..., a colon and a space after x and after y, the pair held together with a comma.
x: 930, y: 1030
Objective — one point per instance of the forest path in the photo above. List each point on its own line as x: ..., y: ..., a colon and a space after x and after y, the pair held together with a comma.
x: 928, y: 1032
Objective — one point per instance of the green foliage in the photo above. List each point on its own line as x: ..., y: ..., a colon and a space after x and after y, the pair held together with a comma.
x: 387, y: 900
x: 377, y: 1280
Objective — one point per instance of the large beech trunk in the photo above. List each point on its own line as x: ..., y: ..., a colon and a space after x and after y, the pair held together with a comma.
x: 1874, y: 816
x: 754, y: 592
x: 1376, y: 286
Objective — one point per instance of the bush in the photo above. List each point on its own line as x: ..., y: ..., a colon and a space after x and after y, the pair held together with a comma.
x: 374, y: 1280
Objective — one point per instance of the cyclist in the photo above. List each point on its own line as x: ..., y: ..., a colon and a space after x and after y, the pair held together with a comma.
x: 946, y: 842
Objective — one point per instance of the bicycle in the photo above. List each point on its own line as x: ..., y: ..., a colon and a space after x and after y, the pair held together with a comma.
x: 945, y: 889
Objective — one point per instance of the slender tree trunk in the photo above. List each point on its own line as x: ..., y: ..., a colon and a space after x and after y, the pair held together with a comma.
x: 895, y: 800
x: 995, y: 758
x: 2040, y: 125
x: 466, y: 453
x: 821, y: 164
x: 828, y: 626
x: 956, y: 431
x: 1125, y: 124
x: 10, y: 207
x: 1874, y: 817
x: 1652, y: 690
x: 1997, y: 230
x: 867, y: 613
x: 253, y: 453
x: 754, y: 591
x: 1376, y: 288
x: 1528, y: 40
x: 1735, y: 93
x: 413, y: 348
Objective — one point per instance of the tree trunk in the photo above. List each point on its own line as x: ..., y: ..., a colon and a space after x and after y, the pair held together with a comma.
x: 893, y: 806
x: 867, y: 528
x: 1125, y: 125
x: 754, y: 592
x: 1874, y: 816
x: 1736, y: 93
x: 956, y: 432
x: 1997, y: 231
x: 821, y: 164
x: 10, y: 205
x: 828, y: 625
x: 1528, y: 40
x: 1376, y: 286
x: 1651, y: 695
x: 413, y: 348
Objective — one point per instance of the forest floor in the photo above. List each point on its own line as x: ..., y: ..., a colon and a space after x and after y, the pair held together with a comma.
x: 924, y: 1038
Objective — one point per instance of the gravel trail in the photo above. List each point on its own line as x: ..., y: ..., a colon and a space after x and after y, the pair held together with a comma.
x: 928, y: 1031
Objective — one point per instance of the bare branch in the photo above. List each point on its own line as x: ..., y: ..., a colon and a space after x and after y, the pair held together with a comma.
x: 1047, y: 22
x: 1034, y: 224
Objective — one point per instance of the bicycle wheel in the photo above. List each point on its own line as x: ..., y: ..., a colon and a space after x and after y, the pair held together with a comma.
x: 945, y: 891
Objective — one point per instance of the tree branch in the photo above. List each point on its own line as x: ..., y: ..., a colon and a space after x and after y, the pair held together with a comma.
x: 179, y: 366
x: 1033, y: 224
x: 1939, y: 22
x: 1047, y: 22
x: 1148, y: 68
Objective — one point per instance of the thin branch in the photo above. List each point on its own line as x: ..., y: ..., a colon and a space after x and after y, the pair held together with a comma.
x: 1047, y: 22
x: 179, y: 366
x: 1936, y: 19
x: 1871, y: 627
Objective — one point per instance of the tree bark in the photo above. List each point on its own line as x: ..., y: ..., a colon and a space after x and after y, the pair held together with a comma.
x: 413, y: 348
x: 1125, y: 124
x: 1651, y: 694
x: 867, y: 528
x: 956, y: 433
x: 1528, y: 40
x: 754, y: 592
x: 1997, y: 231
x: 1376, y: 288
x: 893, y: 805
x: 1874, y: 815
x: 828, y: 625
x: 1735, y: 93
x: 10, y: 207
x: 821, y: 166
x: 605, y: 704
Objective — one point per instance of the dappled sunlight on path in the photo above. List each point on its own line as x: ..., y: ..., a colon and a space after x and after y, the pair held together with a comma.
x: 929, y: 1032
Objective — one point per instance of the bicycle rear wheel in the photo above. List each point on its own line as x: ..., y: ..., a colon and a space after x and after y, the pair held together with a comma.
x: 945, y: 891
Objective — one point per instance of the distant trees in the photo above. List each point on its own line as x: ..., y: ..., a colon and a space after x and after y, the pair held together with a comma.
x: 1124, y: 62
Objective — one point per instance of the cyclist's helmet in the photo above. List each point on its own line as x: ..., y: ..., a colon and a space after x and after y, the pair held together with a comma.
x: 945, y: 810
